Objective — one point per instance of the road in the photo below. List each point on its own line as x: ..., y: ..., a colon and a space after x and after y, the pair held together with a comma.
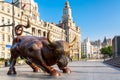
x: 81, y: 70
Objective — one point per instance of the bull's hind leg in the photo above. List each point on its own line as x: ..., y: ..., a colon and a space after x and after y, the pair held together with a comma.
x: 62, y: 64
x: 12, y: 70
x: 33, y: 65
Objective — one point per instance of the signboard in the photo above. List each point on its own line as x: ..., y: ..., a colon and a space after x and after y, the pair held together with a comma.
x: 8, y: 46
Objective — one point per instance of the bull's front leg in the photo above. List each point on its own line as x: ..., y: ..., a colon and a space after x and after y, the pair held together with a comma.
x: 54, y: 72
x: 38, y: 59
x: 62, y: 64
x: 45, y: 68
x: 12, y: 70
x: 50, y: 70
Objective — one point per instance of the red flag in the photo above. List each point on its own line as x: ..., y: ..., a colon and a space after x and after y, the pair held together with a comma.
x: 23, y: 6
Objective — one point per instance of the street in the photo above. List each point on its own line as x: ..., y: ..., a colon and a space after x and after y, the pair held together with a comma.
x: 81, y: 70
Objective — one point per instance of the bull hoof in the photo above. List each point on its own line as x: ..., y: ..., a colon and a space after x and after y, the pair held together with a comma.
x: 11, y: 72
x: 36, y: 70
x: 55, y: 73
x: 66, y: 70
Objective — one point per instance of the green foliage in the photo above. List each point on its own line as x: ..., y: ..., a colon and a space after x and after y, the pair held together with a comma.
x: 2, y: 59
x: 83, y: 55
x: 106, y: 51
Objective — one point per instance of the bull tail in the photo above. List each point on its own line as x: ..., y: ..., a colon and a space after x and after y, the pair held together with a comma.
x: 19, y: 28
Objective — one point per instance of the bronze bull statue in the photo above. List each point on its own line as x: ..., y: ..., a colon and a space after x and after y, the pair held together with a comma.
x: 40, y: 52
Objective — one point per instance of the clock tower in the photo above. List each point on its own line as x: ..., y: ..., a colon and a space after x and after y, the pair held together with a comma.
x: 71, y: 30
x: 67, y: 15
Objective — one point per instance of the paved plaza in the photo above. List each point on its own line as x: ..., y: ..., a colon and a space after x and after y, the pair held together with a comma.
x: 81, y: 70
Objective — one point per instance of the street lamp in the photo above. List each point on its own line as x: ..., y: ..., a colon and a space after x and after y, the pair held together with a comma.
x: 13, y: 21
x: 13, y: 18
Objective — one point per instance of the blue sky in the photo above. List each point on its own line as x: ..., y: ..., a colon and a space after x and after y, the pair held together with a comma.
x: 96, y: 18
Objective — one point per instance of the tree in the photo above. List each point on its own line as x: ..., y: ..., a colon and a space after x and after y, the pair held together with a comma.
x: 106, y: 51
x: 83, y: 55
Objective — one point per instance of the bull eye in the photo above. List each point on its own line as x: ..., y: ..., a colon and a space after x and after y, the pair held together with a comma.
x: 57, y: 52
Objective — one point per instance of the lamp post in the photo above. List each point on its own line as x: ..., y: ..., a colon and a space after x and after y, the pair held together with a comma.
x: 13, y: 18
x: 13, y: 23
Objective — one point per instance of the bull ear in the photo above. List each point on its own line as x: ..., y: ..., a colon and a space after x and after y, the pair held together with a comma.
x: 73, y: 42
x: 49, y: 39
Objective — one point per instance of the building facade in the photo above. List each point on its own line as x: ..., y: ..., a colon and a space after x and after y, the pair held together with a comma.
x: 86, y: 48
x: 28, y: 9
x: 107, y: 42
x: 71, y: 30
x: 91, y: 49
x: 116, y: 46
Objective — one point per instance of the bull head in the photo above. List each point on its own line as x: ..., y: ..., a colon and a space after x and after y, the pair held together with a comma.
x: 53, y: 42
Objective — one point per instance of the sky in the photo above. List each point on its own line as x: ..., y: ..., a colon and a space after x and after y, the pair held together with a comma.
x: 96, y: 18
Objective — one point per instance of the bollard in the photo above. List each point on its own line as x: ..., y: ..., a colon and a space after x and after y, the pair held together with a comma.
x: 7, y: 63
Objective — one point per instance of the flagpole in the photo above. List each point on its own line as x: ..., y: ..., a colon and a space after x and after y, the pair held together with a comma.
x: 21, y: 12
x: 13, y: 23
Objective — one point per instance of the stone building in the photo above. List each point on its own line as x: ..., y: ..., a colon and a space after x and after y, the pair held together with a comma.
x: 28, y: 9
x: 107, y: 42
x: 116, y: 46
x: 92, y: 48
x: 71, y: 30
x: 86, y: 48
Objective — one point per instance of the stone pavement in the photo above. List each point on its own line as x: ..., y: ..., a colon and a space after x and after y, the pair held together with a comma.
x: 81, y: 70
x: 113, y: 61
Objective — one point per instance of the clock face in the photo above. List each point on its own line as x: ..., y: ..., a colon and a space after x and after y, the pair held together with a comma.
x: 65, y: 11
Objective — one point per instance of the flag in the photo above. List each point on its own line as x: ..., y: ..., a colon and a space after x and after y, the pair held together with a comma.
x: 23, y: 7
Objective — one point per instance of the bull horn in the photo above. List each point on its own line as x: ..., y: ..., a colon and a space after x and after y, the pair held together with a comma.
x: 48, y: 38
x: 73, y: 42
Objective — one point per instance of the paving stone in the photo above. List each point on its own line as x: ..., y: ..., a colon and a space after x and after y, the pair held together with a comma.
x: 81, y: 70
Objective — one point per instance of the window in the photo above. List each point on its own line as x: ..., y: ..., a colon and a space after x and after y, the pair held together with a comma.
x: 8, y: 29
x: 2, y: 28
x: 65, y: 11
x: 18, y: 15
x: 33, y: 31
x: 8, y: 21
x: 50, y: 27
x: 3, y: 37
x: 39, y: 33
x: 8, y: 38
x: 3, y: 8
x: 44, y: 33
x: 34, y: 17
x: 2, y: 20
x: 8, y: 10
x: 3, y: 48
